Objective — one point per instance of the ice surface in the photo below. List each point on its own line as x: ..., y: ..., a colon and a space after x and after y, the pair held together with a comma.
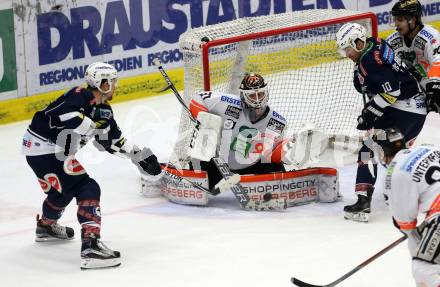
x: 164, y: 244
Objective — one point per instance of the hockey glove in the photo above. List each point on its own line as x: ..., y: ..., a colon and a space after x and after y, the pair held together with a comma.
x: 146, y: 161
x: 433, y: 95
x: 369, y: 115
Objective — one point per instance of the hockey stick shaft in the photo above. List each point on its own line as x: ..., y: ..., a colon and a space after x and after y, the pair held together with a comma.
x: 157, y: 63
x: 300, y: 283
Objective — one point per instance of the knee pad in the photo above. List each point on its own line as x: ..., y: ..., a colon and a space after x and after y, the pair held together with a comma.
x: 89, y: 190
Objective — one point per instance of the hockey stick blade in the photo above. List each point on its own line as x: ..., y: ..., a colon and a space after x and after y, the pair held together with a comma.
x: 300, y: 283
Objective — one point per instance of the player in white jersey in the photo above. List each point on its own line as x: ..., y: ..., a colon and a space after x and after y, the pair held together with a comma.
x: 418, y: 45
x: 252, y: 132
x: 412, y: 189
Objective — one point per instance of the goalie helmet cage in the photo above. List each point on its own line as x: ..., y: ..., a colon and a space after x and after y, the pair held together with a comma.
x: 296, y: 52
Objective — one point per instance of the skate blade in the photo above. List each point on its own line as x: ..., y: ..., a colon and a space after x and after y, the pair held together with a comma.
x: 52, y: 239
x: 91, y: 263
x: 359, y: 217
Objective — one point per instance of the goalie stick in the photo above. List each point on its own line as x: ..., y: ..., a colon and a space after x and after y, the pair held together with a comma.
x: 221, y: 186
x: 238, y: 191
x: 300, y: 283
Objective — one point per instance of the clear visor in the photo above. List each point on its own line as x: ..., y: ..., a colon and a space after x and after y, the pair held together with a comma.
x: 256, y: 98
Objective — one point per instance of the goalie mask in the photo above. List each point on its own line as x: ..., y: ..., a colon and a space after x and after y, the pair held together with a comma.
x: 347, y: 35
x: 97, y: 73
x: 254, y: 96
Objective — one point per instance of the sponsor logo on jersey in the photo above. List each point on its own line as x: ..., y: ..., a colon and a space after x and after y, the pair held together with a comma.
x: 426, y: 34
x: 388, y: 55
x: 412, y: 160
x: 278, y: 116
x: 420, y: 43
x: 228, y: 124
x: 421, y: 169
x: 389, y: 174
x: 233, y: 112
x: 230, y: 100
x: 275, y: 125
x: 27, y: 143
x: 396, y: 43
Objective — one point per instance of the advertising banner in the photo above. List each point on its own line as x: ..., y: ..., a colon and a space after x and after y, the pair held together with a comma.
x: 56, y: 40
x: 8, y: 72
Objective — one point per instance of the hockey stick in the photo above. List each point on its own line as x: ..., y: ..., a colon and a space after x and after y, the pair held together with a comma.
x: 221, y: 186
x: 157, y: 63
x: 238, y: 191
x: 300, y: 283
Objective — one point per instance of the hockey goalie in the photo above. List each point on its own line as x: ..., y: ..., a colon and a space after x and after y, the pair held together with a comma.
x: 249, y: 137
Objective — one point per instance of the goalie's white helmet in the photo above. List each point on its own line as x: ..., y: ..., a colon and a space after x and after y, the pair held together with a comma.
x: 97, y: 72
x: 254, y: 95
x: 347, y: 36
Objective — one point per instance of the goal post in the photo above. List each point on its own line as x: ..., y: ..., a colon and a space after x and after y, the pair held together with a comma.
x: 296, y: 52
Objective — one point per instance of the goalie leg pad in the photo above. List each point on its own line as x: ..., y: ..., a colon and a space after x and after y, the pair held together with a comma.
x: 206, y: 136
x: 150, y: 186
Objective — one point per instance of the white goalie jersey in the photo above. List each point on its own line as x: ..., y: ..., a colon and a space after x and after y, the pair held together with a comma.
x: 412, y: 184
x: 421, y: 54
x: 243, y: 143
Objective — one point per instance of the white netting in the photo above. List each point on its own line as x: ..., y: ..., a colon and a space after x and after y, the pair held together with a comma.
x: 308, y: 80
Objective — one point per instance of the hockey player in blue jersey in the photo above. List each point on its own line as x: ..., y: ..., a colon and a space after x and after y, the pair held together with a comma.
x: 394, y: 100
x: 50, y: 143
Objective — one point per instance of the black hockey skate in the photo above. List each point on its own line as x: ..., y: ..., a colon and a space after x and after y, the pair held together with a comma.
x: 95, y: 255
x: 52, y: 232
x: 360, y: 211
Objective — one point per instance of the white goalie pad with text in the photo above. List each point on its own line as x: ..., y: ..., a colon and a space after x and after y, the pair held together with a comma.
x: 297, y: 187
x: 182, y: 192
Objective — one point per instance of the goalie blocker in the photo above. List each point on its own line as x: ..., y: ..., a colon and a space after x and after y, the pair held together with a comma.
x: 296, y: 187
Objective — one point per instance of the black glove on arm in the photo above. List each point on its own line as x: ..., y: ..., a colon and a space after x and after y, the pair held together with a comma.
x: 433, y: 95
x: 371, y: 112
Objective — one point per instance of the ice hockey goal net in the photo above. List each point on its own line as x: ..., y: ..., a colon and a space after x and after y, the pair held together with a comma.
x: 309, y: 82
